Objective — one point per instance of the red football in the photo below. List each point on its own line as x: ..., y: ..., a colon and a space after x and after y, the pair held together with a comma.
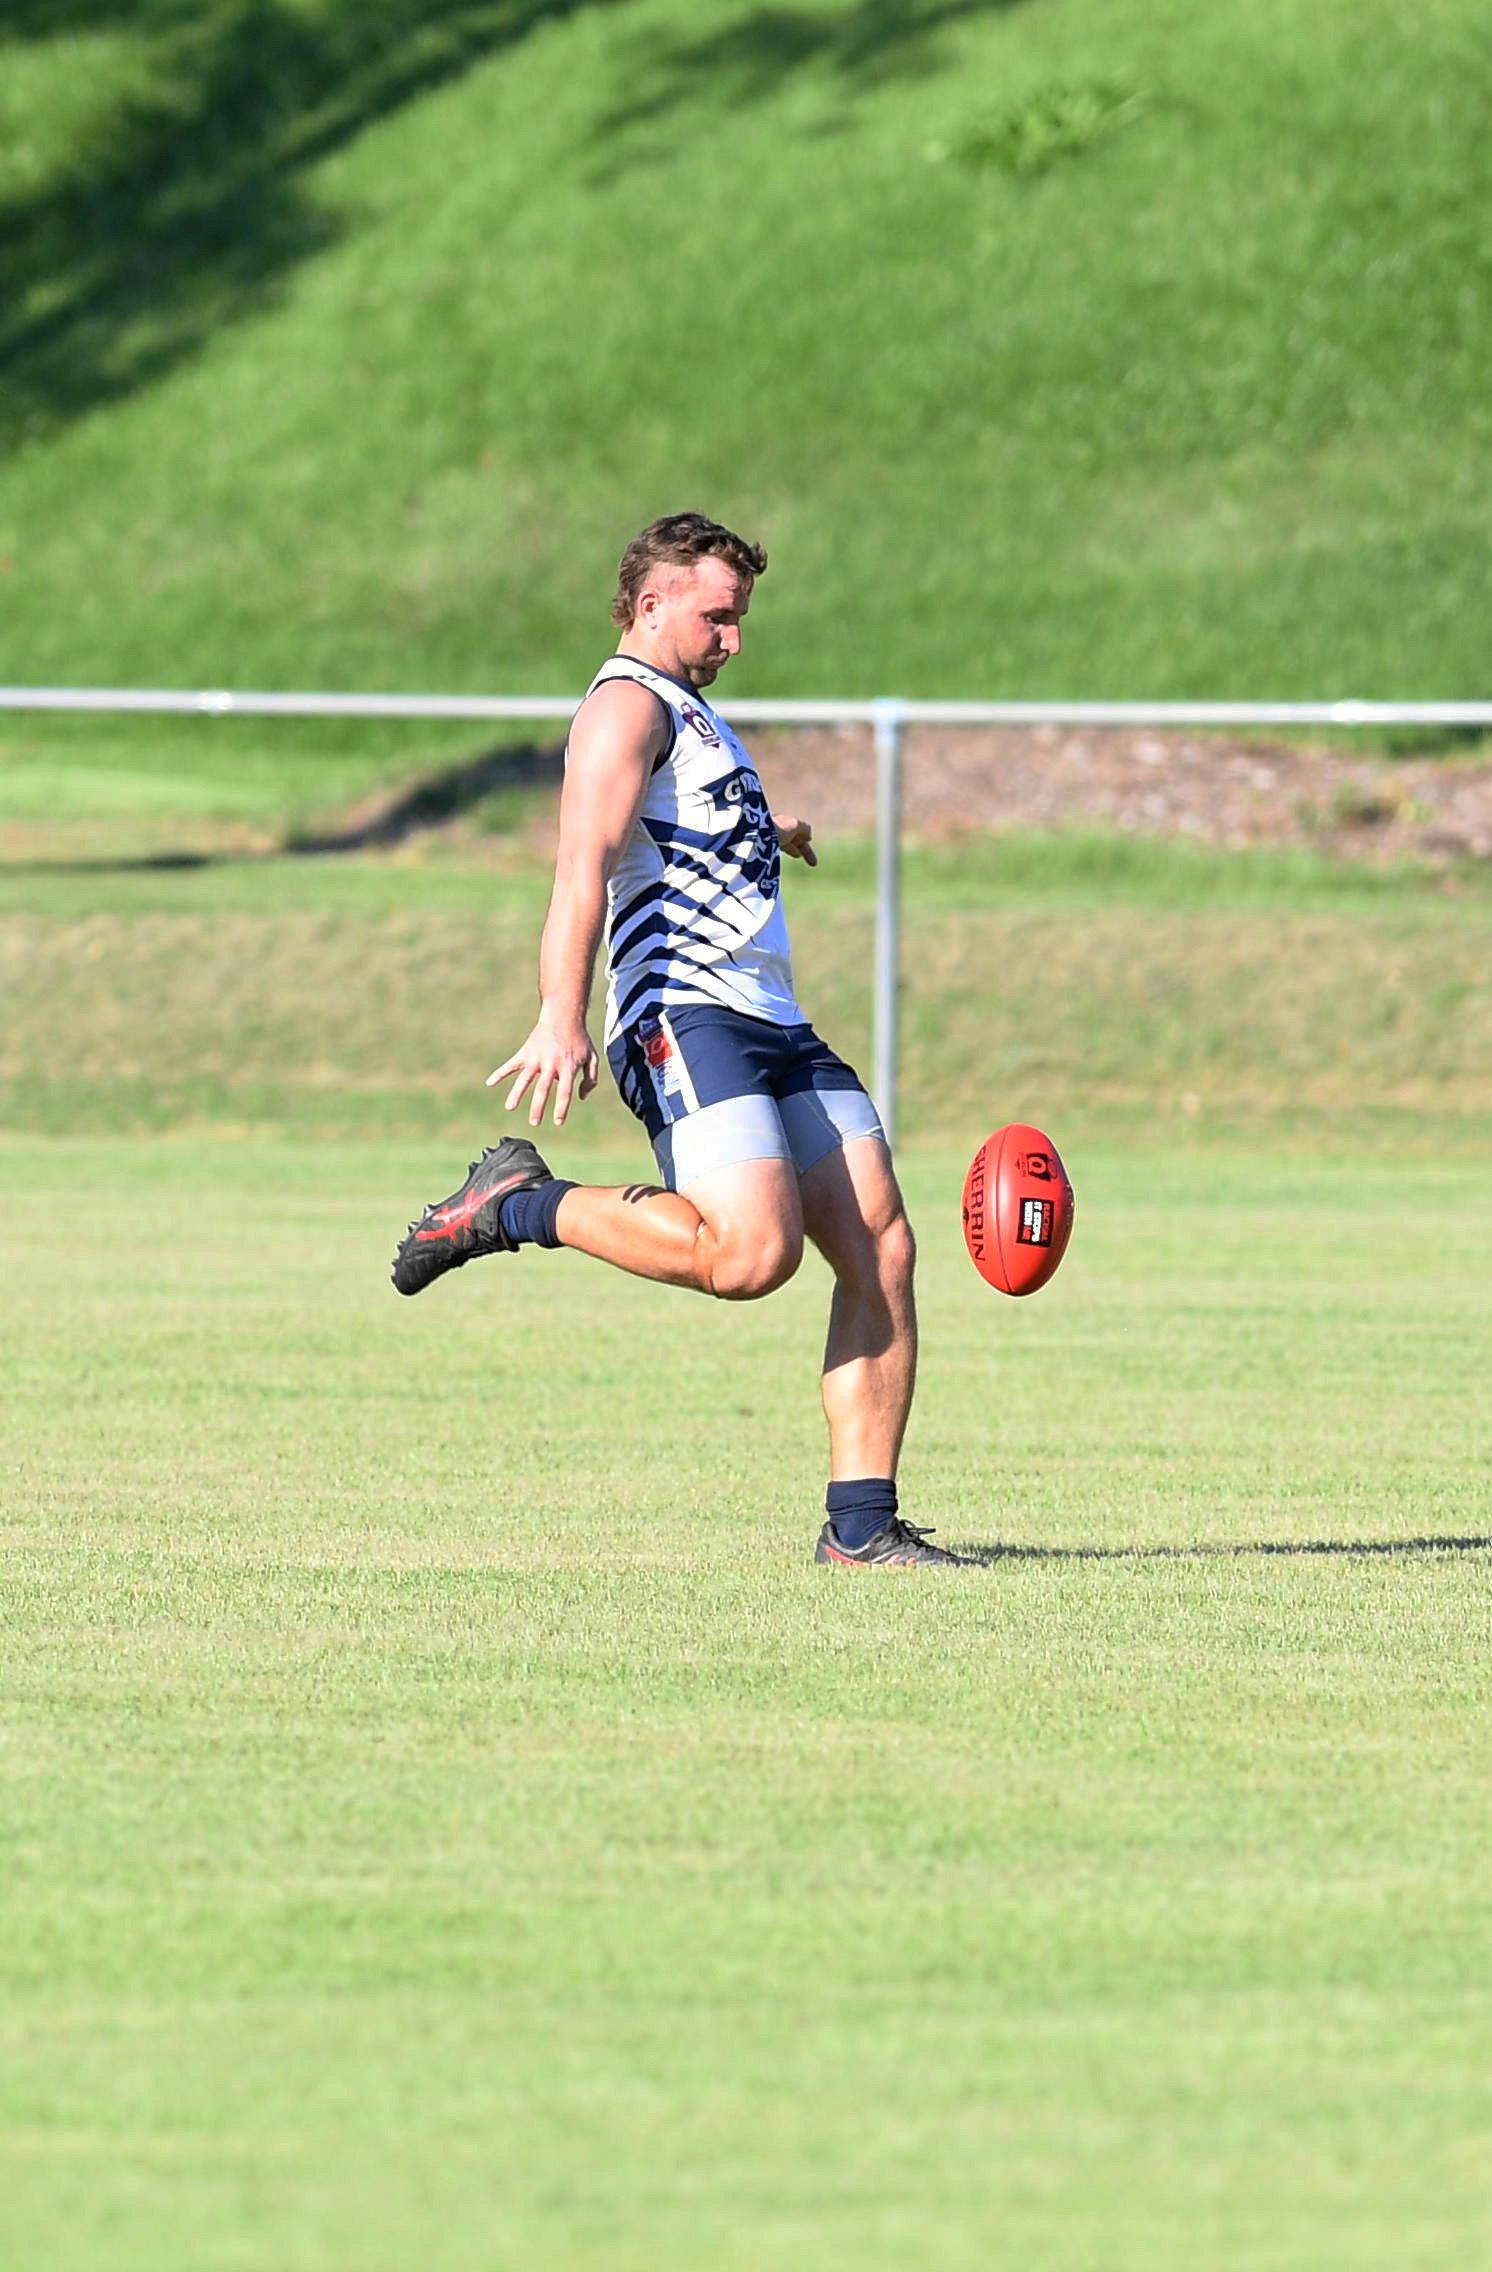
x: 1017, y: 1209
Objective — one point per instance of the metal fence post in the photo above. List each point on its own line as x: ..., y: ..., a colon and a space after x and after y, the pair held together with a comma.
x: 888, y: 732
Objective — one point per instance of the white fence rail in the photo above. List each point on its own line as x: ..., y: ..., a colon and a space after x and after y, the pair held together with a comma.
x: 888, y: 718
x: 214, y: 702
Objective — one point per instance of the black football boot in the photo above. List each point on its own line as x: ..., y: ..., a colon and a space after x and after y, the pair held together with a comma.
x: 898, y: 1542
x: 466, y: 1224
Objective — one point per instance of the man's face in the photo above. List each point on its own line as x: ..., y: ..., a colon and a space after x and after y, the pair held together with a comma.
x: 695, y: 615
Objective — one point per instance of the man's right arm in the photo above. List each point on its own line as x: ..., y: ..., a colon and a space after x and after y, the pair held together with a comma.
x: 615, y: 741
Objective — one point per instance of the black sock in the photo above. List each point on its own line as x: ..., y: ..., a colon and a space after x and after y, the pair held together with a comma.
x: 858, y: 1510
x: 528, y: 1216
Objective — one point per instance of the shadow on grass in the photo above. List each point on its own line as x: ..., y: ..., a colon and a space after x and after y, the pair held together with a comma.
x: 183, y: 210
x: 517, y: 772
x: 749, y: 58
x: 990, y: 1555
x: 520, y: 769
x: 67, y: 19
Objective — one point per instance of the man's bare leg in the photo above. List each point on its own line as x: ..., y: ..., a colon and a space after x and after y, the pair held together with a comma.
x: 853, y: 1212
x: 736, y: 1234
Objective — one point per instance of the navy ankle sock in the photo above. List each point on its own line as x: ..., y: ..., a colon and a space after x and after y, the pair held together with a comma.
x: 528, y: 1216
x: 858, y: 1510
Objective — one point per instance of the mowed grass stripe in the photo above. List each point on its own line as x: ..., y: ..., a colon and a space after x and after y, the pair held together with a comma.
x: 366, y: 999
x: 449, y: 1818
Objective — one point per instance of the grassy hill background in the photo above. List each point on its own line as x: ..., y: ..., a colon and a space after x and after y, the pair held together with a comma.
x: 1125, y: 347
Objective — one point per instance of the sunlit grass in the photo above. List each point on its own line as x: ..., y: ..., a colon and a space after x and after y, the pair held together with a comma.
x: 333, y: 355
x: 449, y: 1818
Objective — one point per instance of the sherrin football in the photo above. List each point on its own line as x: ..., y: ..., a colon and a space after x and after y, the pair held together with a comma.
x: 1017, y: 1209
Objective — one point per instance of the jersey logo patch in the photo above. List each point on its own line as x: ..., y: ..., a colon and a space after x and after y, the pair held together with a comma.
x: 663, y: 1060
x: 700, y: 723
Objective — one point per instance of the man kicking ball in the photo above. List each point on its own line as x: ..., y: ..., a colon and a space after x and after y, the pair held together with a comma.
x: 761, y: 1134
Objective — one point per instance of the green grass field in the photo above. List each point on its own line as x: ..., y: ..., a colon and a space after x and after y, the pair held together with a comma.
x: 1109, y: 347
x: 448, y: 1821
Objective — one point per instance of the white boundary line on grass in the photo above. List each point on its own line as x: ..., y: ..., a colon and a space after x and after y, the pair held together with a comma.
x: 888, y: 718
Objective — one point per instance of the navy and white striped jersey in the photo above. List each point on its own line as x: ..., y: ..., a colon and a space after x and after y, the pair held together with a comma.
x: 694, y: 908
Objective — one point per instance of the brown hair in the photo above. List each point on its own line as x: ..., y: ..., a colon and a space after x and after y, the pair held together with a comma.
x: 678, y: 541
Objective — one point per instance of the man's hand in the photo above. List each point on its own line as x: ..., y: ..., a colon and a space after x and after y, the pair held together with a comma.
x: 795, y: 838
x: 558, y: 1055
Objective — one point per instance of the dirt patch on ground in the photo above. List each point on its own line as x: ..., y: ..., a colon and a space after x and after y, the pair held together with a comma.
x: 501, y: 804
x: 1214, y: 790
x: 1211, y: 788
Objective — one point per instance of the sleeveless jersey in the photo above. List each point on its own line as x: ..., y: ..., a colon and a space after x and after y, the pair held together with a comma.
x: 694, y: 910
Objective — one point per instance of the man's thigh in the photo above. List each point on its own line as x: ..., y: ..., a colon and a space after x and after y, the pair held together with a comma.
x: 850, y: 1199
x: 756, y: 1202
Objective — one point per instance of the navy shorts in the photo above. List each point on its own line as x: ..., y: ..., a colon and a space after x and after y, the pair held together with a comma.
x: 714, y: 1088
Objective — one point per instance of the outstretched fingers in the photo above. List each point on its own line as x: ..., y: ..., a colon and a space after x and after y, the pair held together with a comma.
x: 531, y: 1075
x: 563, y: 1070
